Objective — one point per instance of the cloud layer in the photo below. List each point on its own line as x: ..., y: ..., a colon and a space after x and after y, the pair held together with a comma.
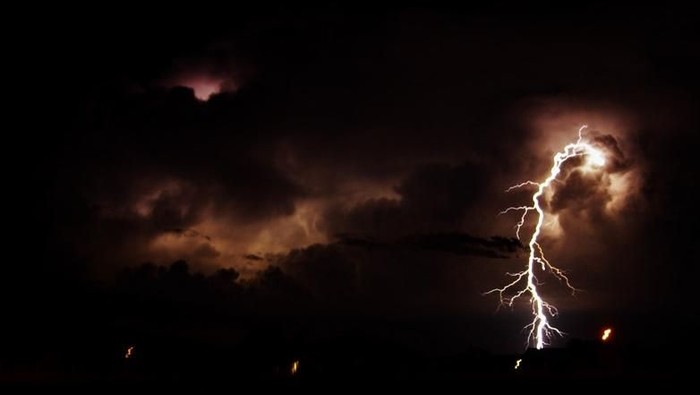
x: 369, y: 163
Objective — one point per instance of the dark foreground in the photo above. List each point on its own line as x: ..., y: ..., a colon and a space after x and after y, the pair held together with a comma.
x: 345, y: 362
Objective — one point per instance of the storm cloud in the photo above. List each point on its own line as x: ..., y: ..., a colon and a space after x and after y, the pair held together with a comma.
x: 366, y: 156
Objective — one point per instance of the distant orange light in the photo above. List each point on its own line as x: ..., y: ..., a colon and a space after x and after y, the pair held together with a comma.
x: 129, y: 352
x: 295, y: 367
x: 606, y: 334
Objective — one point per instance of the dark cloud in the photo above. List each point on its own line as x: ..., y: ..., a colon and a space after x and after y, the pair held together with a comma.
x: 464, y: 244
x: 367, y: 276
x: 180, y: 169
x: 579, y: 193
x: 455, y: 243
x: 188, y: 233
x: 360, y: 160
x: 205, y: 251
x: 432, y: 197
x: 253, y: 257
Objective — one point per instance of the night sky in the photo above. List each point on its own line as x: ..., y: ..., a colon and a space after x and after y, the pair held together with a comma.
x: 329, y: 172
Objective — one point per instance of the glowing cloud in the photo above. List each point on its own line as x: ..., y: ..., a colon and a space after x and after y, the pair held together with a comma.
x: 204, y: 87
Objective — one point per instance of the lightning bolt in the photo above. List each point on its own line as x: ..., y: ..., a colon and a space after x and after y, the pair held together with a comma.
x: 540, y: 330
